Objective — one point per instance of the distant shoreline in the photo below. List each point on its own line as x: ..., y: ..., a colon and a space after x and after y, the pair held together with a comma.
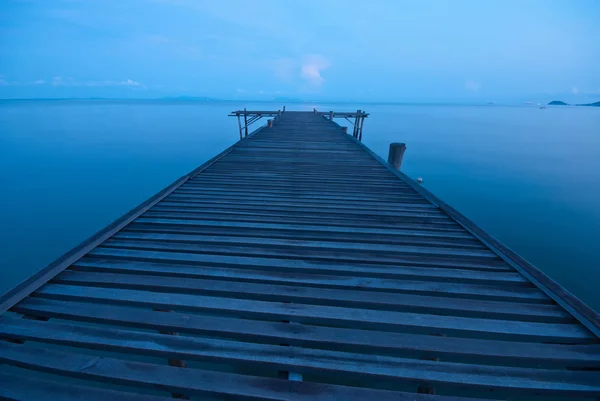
x: 561, y: 103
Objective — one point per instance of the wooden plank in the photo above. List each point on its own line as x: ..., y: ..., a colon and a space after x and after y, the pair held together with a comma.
x: 300, y: 265
x: 319, y: 296
x: 404, y: 253
x: 347, y: 206
x: 458, y: 290
x: 319, y: 210
x: 267, y: 211
x: 298, y: 197
x: 274, y: 234
x: 302, y: 360
x: 258, y: 217
x: 358, y: 187
x: 274, y: 180
x: 324, y: 315
x: 419, y: 232
x: 25, y: 388
x: 191, y: 381
x: 258, y: 214
x: 306, y: 244
x: 300, y: 193
x: 333, y: 338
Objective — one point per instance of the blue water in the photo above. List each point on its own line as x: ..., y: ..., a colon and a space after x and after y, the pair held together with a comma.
x: 530, y: 177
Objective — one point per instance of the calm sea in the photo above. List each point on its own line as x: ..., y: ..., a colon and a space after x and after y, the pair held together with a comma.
x: 530, y: 177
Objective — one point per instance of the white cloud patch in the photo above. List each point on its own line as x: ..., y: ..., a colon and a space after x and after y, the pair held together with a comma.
x: 473, y: 86
x: 59, y: 81
x: 312, y: 66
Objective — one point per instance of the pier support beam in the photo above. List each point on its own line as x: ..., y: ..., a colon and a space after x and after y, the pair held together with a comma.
x: 396, y: 153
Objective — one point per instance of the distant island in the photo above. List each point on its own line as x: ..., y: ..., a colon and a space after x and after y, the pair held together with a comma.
x: 561, y: 103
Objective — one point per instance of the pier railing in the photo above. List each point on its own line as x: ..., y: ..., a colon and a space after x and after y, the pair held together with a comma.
x: 358, y: 116
x: 250, y: 117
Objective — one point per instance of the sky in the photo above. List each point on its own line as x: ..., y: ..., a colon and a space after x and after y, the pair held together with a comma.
x: 396, y: 50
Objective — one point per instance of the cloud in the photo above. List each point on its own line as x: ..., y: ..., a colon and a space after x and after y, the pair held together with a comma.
x: 312, y: 66
x: 59, y: 81
x: 3, y: 82
x: 473, y: 86
x: 130, y: 82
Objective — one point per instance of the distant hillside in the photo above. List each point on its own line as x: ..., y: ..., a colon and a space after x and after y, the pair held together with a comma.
x: 597, y: 104
x: 561, y: 103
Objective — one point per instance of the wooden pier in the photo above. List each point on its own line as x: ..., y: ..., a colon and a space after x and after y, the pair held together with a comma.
x: 295, y: 265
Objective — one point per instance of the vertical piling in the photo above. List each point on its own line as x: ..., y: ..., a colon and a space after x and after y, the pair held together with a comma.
x: 396, y: 153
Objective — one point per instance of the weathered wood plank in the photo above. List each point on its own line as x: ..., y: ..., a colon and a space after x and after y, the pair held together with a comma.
x: 299, y: 198
x: 348, y: 205
x: 459, y: 290
x: 301, y: 265
x: 333, y: 338
x: 324, y: 315
x: 191, y: 381
x: 257, y: 217
x: 302, y: 360
x: 262, y: 211
x: 405, y: 254
x: 321, y: 210
x: 319, y: 296
x: 24, y: 388
x: 343, y: 238
x: 375, y: 249
x: 410, y: 230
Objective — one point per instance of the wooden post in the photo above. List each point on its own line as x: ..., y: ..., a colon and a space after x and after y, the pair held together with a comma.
x: 246, y: 121
x: 396, y: 153
x: 239, y: 124
x: 284, y: 109
x: 270, y: 123
x: 362, y: 123
x: 331, y: 115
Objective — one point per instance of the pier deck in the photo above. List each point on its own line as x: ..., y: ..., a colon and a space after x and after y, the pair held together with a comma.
x: 295, y: 265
